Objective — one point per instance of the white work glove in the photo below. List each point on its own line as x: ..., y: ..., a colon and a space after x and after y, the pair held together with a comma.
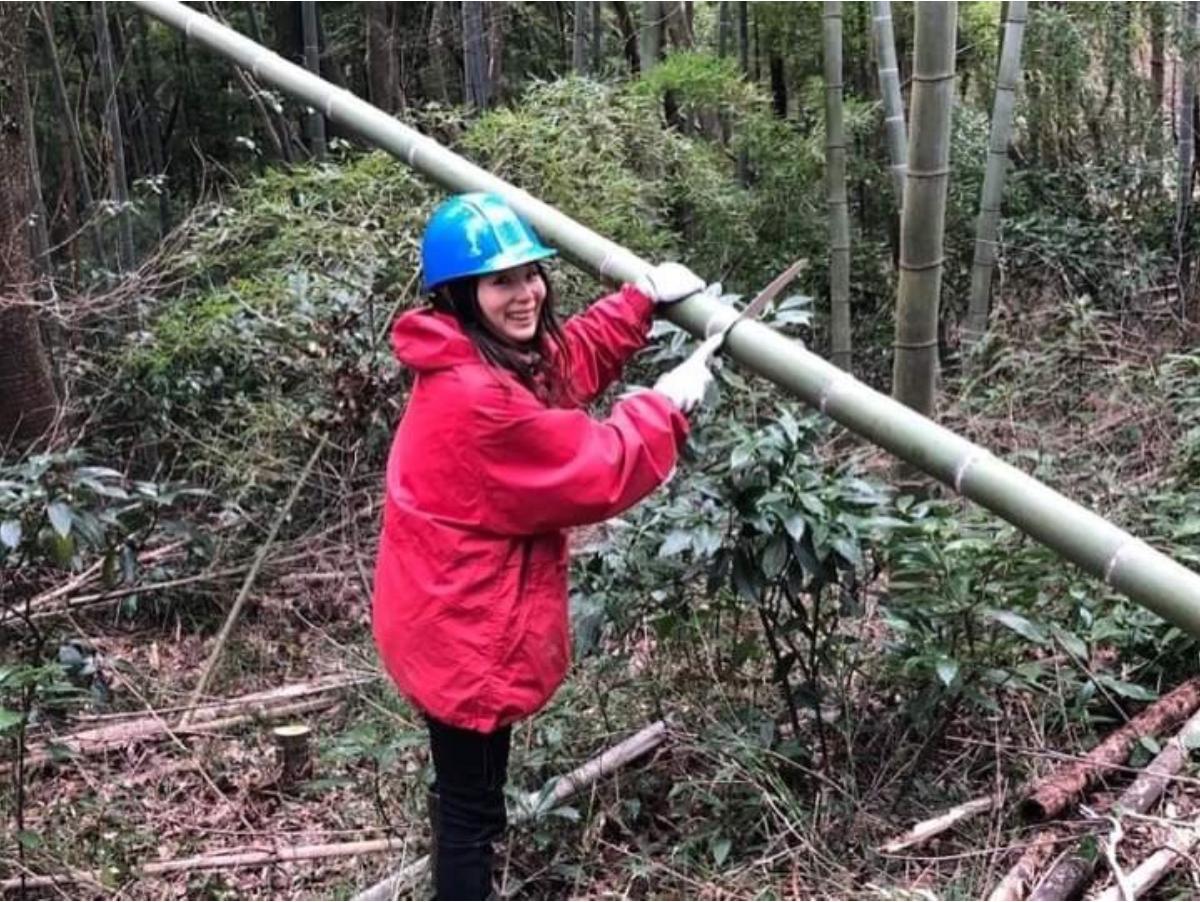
x: 668, y: 283
x: 687, y: 384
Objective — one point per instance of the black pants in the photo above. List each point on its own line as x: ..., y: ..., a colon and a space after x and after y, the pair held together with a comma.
x: 468, y: 813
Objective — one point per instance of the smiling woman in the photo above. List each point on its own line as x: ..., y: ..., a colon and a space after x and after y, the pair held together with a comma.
x: 493, y: 461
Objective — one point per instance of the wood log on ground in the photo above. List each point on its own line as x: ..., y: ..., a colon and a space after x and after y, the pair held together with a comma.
x: 1067, y: 879
x: 934, y: 826
x: 1051, y: 796
x: 396, y: 884
x: 271, y: 704
x: 1021, y: 876
x: 1146, y: 875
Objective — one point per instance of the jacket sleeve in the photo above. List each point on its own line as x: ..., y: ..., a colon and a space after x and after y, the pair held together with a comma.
x: 602, y: 338
x: 545, y: 469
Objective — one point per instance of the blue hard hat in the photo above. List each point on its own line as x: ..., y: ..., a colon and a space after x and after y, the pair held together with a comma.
x: 473, y: 234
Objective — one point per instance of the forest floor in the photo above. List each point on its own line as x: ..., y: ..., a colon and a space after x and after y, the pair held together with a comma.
x: 711, y: 814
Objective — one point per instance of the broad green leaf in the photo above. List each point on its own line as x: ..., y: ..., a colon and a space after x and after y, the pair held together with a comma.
x: 9, y: 719
x: 676, y: 541
x: 795, y: 525
x: 1019, y: 625
x: 1127, y: 690
x: 10, y: 533
x: 720, y: 846
x: 1070, y: 642
x: 775, y: 557
x: 61, y: 516
x: 947, y: 670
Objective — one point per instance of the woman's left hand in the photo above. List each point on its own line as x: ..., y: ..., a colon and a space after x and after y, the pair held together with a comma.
x: 667, y: 283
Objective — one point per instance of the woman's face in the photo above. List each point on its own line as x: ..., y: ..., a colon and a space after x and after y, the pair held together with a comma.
x: 511, y: 301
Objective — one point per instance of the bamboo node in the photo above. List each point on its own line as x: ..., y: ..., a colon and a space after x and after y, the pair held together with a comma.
x: 928, y: 173
x: 922, y: 267
x: 1111, y: 566
x: 960, y: 472
x: 915, y: 345
x: 830, y: 388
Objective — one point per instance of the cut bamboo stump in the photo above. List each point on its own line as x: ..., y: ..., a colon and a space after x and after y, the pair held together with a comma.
x: 1050, y: 797
x: 295, y: 764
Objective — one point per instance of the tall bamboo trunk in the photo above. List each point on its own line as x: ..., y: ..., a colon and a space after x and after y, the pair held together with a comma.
x: 922, y: 226
x: 27, y: 399
x: 993, y: 177
x: 743, y: 38
x: 1158, y: 35
x: 581, y: 27
x: 650, y: 36
x: 475, y: 84
x: 597, y: 35
x: 835, y: 191
x: 1186, y: 146
x: 154, y: 125
x: 119, y: 182
x: 889, y: 87
x: 312, y: 62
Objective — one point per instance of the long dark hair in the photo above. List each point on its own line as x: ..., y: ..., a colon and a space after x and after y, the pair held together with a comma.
x: 541, y: 364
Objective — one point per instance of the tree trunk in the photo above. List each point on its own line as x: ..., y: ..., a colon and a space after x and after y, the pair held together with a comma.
x: 779, y: 97
x: 922, y: 227
x: 475, y: 85
x: 581, y: 29
x: 743, y: 34
x: 1158, y: 35
x: 835, y: 190
x: 993, y: 178
x: 597, y: 36
x: 439, y: 20
x: 315, y: 125
x: 650, y: 39
x: 497, y: 12
x: 27, y: 399
x: 629, y: 37
x: 119, y: 183
x: 39, y: 238
x: 153, y: 125
x: 383, y: 59
x: 1186, y: 146
x: 678, y: 24
x: 87, y: 210
x: 724, y: 28
x: 889, y: 88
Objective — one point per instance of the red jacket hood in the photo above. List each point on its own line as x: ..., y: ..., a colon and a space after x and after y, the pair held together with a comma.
x: 425, y: 340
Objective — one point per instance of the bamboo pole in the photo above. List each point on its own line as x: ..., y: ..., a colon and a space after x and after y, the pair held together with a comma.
x: 1127, y: 564
x: 835, y: 190
x: 923, y: 221
x: 1186, y: 148
x: 935, y: 826
x: 119, y: 182
x: 1146, y: 875
x: 993, y: 177
x: 889, y: 87
x: 1023, y: 874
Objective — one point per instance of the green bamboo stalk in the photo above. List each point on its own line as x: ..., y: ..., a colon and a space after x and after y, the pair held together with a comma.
x: 112, y: 117
x: 889, y: 87
x: 835, y: 191
x: 1125, y: 563
x: 993, y: 177
x: 1186, y: 147
x: 922, y: 224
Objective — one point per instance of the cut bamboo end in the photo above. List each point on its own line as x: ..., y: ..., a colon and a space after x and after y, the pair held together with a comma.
x: 292, y: 747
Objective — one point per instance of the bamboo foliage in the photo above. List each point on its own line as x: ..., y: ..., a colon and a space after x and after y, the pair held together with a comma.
x: 993, y: 177
x: 889, y: 87
x: 835, y: 190
x: 922, y: 224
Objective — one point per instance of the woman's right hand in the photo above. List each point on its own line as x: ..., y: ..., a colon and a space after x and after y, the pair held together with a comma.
x: 687, y: 384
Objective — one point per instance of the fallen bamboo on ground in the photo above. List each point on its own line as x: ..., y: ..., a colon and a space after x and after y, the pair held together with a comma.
x: 272, y: 704
x: 1069, y: 876
x: 1146, y: 875
x: 1021, y: 876
x: 1050, y: 797
x: 247, y: 858
x: 396, y: 884
x: 214, y: 657
x: 934, y: 826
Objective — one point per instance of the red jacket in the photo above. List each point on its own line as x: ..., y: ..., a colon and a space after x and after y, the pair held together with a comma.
x: 470, y: 606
